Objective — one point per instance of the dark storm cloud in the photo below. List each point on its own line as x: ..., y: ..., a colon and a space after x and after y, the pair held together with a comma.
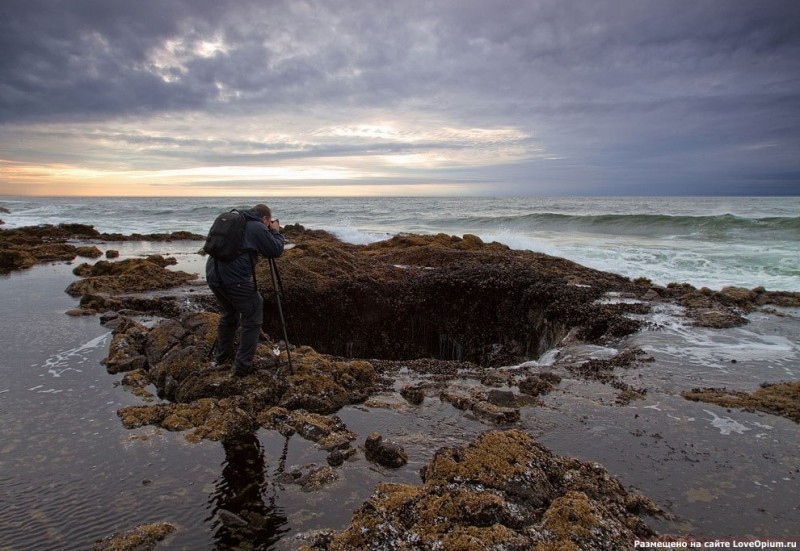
x: 97, y: 58
x: 617, y: 90
x: 82, y: 58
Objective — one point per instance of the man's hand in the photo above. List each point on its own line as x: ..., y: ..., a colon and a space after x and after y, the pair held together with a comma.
x: 274, y: 225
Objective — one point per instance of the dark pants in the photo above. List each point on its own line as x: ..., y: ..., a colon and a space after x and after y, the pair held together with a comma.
x: 240, y: 303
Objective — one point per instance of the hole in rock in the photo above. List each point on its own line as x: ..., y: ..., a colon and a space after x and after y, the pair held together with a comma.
x: 489, y: 321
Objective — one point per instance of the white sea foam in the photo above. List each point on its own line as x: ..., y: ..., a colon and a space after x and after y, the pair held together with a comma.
x: 726, y: 425
x: 64, y: 361
x: 520, y: 241
x: 356, y: 236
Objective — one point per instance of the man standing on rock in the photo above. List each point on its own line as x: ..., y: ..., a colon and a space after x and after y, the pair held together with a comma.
x: 233, y: 283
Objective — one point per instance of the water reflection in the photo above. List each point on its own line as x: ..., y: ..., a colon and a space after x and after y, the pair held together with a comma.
x: 244, y: 510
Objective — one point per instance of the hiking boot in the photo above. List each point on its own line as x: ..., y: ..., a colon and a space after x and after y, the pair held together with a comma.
x: 223, y: 360
x: 240, y: 371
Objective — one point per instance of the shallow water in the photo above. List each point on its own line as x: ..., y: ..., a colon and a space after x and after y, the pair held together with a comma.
x: 70, y: 473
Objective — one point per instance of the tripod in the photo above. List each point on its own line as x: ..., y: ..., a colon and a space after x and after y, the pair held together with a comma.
x: 277, y: 284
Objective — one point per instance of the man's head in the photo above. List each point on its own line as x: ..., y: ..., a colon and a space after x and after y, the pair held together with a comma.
x: 264, y: 212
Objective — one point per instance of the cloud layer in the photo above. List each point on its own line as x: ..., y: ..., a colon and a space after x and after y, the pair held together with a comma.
x: 631, y: 97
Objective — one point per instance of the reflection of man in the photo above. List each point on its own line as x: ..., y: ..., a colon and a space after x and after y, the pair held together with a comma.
x: 234, y: 286
x: 243, y: 519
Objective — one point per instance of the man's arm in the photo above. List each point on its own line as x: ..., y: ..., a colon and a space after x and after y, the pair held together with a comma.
x: 268, y: 242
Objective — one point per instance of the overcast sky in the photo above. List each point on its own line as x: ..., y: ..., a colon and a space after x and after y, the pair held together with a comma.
x: 405, y: 97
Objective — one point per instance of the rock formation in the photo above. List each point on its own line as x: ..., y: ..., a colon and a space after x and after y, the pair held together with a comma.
x: 502, y: 491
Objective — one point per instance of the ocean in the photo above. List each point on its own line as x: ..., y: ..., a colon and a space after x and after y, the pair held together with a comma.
x: 70, y: 473
x: 705, y: 241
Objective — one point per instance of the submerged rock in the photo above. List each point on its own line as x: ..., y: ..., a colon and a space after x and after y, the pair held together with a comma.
x: 502, y: 491
x: 384, y: 453
x: 310, y: 478
x: 140, y: 538
x: 327, y: 431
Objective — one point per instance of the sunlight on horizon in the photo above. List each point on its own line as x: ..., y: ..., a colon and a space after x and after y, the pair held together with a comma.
x: 399, y: 190
x: 209, y: 181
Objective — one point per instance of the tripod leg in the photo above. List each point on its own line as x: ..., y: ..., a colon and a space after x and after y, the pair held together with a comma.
x: 273, y: 270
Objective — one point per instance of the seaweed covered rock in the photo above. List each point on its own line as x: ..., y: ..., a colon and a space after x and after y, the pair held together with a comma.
x: 322, y: 384
x: 442, y: 297
x: 173, y: 356
x: 22, y: 248
x: 329, y: 432
x: 776, y: 399
x: 126, y: 351
x: 494, y: 407
x: 18, y: 258
x: 726, y: 307
x: 208, y: 418
x: 125, y: 276
x: 502, y: 491
x: 310, y: 477
x: 140, y: 538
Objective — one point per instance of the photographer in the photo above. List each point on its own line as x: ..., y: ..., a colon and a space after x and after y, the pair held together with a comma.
x: 233, y: 284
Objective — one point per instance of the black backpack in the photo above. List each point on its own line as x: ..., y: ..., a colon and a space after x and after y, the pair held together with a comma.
x: 226, y: 236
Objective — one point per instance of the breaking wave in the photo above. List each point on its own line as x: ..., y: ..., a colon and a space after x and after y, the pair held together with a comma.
x: 714, y: 227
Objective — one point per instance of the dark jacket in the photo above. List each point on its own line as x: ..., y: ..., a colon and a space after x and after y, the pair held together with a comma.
x: 257, y: 239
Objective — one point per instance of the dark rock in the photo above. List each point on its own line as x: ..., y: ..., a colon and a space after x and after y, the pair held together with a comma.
x: 539, y: 383
x: 338, y: 457
x: 413, y: 394
x: 414, y: 297
x: 100, y: 303
x: 126, y: 351
x: 503, y: 398
x: 15, y: 259
x: 498, y: 415
x: 651, y: 294
x: 329, y: 432
x: 457, y: 399
x: 316, y: 477
x: 21, y: 248
x: 89, y: 252
x: 384, y: 453
x: 77, y: 312
x: 112, y: 253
